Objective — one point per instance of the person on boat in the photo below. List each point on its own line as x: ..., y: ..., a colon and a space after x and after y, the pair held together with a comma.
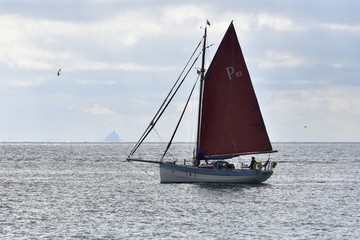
x: 266, y: 163
x: 200, y: 156
x: 253, y: 161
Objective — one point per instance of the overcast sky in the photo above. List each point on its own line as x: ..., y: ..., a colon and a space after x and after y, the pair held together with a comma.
x: 119, y: 59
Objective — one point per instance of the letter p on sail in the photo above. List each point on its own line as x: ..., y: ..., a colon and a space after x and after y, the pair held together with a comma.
x: 230, y: 71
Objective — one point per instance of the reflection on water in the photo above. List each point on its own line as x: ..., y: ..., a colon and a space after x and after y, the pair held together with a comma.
x: 89, y: 191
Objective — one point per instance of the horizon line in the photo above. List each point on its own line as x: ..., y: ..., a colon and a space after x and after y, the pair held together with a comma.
x: 157, y: 142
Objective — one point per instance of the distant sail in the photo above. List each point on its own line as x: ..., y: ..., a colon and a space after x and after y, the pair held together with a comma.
x: 231, y: 121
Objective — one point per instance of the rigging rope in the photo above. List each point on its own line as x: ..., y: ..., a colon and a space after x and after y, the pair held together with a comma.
x: 167, y: 101
x: 182, y: 114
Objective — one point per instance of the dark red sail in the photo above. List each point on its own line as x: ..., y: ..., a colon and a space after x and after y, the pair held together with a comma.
x: 231, y: 121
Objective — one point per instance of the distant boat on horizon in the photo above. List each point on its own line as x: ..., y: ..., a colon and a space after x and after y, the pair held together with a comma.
x: 229, y: 123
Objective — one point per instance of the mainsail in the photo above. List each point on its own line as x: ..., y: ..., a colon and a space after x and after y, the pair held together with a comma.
x: 231, y: 123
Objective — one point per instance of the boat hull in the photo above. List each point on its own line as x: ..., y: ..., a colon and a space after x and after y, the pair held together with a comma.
x: 173, y: 173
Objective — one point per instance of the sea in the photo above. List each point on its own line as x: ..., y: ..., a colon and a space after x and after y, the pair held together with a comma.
x: 89, y: 191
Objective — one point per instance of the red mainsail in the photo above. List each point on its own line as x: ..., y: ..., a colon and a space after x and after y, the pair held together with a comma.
x: 231, y: 122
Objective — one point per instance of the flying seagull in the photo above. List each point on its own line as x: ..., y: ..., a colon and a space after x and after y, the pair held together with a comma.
x: 59, y: 72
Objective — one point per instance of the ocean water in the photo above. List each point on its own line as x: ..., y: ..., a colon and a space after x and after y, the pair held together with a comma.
x: 89, y: 191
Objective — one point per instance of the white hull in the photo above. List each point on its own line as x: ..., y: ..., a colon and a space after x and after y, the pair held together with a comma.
x: 173, y: 173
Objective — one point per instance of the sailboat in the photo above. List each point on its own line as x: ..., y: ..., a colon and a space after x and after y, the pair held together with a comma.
x: 229, y: 122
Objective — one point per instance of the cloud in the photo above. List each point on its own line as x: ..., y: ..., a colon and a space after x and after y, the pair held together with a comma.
x: 274, y: 59
x: 98, y: 109
x: 44, y: 44
x: 131, y: 67
x: 311, y: 103
x: 278, y: 23
x: 119, y: 57
x: 342, y: 27
x: 37, y: 81
x: 345, y: 65
x: 331, y: 114
x: 20, y: 46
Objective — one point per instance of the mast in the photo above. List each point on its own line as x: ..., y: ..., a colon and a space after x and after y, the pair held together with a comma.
x: 202, y: 78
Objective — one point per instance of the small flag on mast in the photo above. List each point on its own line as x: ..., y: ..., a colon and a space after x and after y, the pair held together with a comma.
x: 207, y: 22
